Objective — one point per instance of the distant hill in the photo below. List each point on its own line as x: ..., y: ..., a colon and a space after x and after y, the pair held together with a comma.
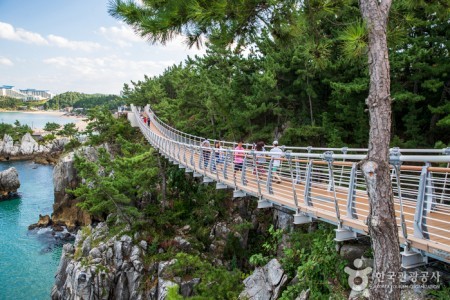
x: 80, y: 100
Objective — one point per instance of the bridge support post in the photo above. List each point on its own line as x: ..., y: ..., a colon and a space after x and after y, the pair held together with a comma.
x: 196, y: 174
x: 221, y: 186
x: 301, y: 218
x: 206, y: 179
x: 264, y: 203
x: 343, y: 234
x: 239, y: 194
x: 187, y: 170
x: 412, y: 259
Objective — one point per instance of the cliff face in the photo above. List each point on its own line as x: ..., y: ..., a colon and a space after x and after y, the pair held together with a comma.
x: 28, y: 148
x: 65, y: 210
x: 112, y: 270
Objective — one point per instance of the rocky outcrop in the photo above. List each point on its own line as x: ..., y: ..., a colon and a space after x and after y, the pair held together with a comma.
x: 9, y: 183
x: 98, y: 267
x: 265, y: 283
x: 44, y: 221
x: 112, y: 269
x: 65, y: 209
x: 28, y: 148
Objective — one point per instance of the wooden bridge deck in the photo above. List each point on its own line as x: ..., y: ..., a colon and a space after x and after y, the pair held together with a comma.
x: 322, y: 204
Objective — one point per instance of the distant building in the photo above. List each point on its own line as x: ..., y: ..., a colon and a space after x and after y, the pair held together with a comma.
x: 25, y: 95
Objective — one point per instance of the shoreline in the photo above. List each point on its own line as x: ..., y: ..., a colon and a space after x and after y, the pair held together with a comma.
x: 79, y: 121
x: 37, y: 112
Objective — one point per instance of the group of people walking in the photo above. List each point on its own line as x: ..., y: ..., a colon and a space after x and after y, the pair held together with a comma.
x: 219, y: 157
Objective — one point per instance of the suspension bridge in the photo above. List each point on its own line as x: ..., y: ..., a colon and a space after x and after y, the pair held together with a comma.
x: 323, y: 184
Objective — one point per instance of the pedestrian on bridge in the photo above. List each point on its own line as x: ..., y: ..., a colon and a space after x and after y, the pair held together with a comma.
x: 206, y: 152
x: 239, y: 154
x: 276, y: 154
x: 260, y: 158
x: 218, y: 155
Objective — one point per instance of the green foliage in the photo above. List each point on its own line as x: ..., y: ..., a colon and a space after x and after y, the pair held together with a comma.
x: 216, y: 282
x: 16, y: 131
x: 10, y: 103
x: 69, y: 129
x: 86, y: 101
x: 321, y: 269
x: 172, y: 293
x: 48, y: 138
x: 52, y: 127
x: 104, y: 128
x: 115, y: 185
x: 269, y: 247
x: 442, y: 293
x: 72, y: 145
x: 305, y: 79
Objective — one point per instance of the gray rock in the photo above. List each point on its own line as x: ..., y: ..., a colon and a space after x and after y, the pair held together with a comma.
x: 28, y: 145
x: 95, y: 253
x: 187, y: 287
x: 304, y: 295
x: 84, y: 279
x: 86, y: 248
x: 9, y: 182
x: 265, y: 283
x: 143, y: 245
x: 352, y: 251
x: 163, y: 266
x: 118, y: 258
x: 274, y: 272
x: 163, y: 288
x: 184, y: 244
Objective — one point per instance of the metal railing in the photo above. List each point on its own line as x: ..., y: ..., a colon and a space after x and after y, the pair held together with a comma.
x: 326, y: 186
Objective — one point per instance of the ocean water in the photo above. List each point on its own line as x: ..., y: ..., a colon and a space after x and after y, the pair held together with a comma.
x: 34, y: 120
x: 28, y: 259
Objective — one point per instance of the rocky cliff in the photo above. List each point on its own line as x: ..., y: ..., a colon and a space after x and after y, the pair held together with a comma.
x: 28, y: 148
x: 98, y: 267
x: 65, y: 209
x: 9, y: 183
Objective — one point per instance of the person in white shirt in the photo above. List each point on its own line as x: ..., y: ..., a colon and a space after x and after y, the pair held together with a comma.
x: 276, y: 153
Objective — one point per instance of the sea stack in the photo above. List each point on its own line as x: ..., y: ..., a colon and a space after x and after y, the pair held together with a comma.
x: 9, y: 183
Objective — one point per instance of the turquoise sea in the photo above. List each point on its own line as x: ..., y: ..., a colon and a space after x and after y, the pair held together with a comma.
x: 28, y: 259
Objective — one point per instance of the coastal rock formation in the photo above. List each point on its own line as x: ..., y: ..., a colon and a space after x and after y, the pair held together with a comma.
x: 28, y: 148
x: 9, y: 183
x: 65, y: 209
x: 44, y: 221
x: 98, y: 267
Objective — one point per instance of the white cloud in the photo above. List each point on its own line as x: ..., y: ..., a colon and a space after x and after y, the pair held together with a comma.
x: 73, y: 45
x: 5, y: 61
x: 109, y: 65
x: 103, y: 74
x: 123, y: 35
x: 8, y: 32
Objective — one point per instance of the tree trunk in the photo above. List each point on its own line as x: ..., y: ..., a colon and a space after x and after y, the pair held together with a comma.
x: 382, y: 224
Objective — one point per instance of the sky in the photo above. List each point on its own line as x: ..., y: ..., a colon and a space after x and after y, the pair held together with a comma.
x: 75, y: 45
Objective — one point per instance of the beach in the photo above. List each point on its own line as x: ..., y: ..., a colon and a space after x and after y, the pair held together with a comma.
x: 79, y: 121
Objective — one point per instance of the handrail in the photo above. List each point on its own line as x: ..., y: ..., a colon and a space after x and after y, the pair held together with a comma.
x: 332, y: 187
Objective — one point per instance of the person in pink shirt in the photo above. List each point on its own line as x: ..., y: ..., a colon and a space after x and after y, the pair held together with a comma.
x: 239, y: 155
